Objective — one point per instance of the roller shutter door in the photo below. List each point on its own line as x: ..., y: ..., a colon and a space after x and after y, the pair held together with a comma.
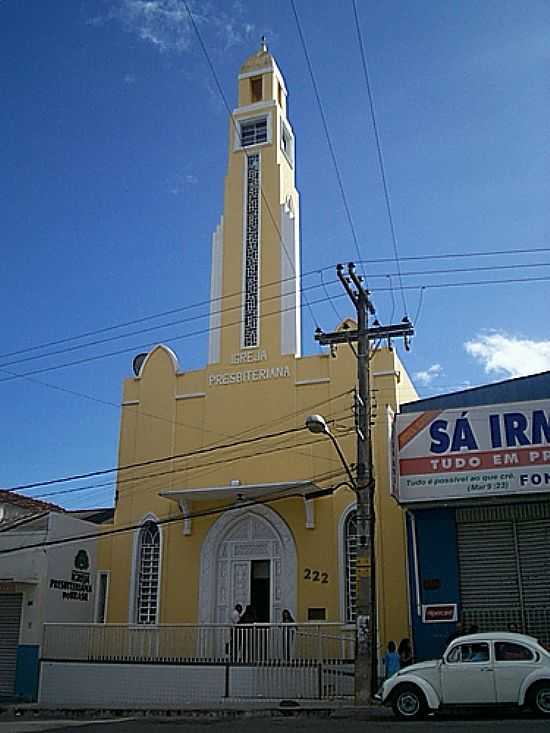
x: 504, y: 567
x: 534, y: 556
x: 10, y: 618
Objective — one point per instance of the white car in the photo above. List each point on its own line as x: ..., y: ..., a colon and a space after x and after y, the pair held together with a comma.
x: 478, y: 669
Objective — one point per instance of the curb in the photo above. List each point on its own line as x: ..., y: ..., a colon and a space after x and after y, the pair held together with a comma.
x: 290, y: 709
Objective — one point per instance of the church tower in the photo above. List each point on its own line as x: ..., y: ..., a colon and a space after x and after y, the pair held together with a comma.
x: 255, y: 283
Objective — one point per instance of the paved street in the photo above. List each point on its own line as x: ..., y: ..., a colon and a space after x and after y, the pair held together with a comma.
x: 381, y: 724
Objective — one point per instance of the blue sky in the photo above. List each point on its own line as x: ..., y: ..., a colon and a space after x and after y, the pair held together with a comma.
x: 113, y: 140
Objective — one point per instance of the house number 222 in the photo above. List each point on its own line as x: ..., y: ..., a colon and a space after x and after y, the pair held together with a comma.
x: 316, y: 576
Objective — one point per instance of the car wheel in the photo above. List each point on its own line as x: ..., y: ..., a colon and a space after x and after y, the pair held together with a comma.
x: 539, y: 698
x: 409, y: 702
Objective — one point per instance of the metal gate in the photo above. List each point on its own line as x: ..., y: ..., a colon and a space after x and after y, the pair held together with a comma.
x: 504, y: 565
x: 10, y: 619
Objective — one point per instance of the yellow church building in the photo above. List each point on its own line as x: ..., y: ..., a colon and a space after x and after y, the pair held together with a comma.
x: 216, y: 469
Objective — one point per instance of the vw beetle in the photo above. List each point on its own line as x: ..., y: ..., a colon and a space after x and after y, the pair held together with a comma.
x: 477, y: 669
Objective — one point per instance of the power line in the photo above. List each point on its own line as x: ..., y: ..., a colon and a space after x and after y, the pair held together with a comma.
x: 172, y: 471
x: 198, y: 304
x: 379, y: 150
x: 322, y: 284
x: 434, y: 286
x: 152, y: 461
x: 148, y: 345
x: 327, y: 133
x: 277, y: 312
x: 185, y: 455
x: 170, y: 520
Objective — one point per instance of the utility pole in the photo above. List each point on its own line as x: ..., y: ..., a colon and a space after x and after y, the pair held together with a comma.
x: 366, y: 661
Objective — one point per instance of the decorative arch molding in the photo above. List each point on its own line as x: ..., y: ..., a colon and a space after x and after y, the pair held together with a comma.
x: 167, y: 350
x: 132, y: 594
x: 351, y: 507
x: 216, y: 535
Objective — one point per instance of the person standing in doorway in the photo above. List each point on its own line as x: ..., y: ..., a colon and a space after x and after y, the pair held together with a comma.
x: 236, y: 613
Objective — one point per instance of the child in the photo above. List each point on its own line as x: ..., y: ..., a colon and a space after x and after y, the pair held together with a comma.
x: 391, y: 660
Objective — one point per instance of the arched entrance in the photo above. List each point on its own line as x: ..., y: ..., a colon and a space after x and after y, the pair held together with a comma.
x: 248, y: 557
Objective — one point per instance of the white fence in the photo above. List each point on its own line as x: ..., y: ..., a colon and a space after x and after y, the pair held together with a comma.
x: 265, y: 644
x: 123, y: 666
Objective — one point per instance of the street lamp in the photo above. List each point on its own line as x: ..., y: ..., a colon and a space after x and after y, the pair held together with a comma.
x: 365, y: 657
x: 317, y: 424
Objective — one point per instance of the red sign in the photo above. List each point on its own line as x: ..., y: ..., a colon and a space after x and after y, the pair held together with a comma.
x: 439, y: 613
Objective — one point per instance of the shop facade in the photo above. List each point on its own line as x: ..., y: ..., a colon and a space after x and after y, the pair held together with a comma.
x: 46, y: 583
x: 474, y: 478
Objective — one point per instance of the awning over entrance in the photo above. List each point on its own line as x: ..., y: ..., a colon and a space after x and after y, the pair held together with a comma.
x: 237, y: 492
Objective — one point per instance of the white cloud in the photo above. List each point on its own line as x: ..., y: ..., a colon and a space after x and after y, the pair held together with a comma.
x: 428, y: 375
x: 129, y: 78
x: 181, y: 182
x: 509, y: 356
x: 166, y: 24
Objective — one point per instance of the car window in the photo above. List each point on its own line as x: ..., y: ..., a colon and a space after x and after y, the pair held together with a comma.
x: 506, y: 651
x: 467, y: 653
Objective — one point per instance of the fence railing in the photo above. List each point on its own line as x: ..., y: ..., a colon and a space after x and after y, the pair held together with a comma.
x: 204, y: 643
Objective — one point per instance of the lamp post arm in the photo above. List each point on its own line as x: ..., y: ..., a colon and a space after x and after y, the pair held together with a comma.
x: 342, y: 459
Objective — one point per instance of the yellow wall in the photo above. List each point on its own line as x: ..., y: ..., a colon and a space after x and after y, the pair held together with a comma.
x: 229, y: 413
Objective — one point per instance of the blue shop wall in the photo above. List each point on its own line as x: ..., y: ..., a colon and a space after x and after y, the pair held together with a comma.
x: 436, y: 549
x: 26, y: 671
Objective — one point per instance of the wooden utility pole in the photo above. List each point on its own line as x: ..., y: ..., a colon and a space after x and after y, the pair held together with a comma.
x: 366, y: 661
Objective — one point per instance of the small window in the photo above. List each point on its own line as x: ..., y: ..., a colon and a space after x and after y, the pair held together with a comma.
x: 253, y: 132
x: 316, y: 614
x: 505, y: 651
x: 467, y: 653
x: 286, y: 142
x: 256, y: 89
x: 280, y: 94
x: 102, y: 586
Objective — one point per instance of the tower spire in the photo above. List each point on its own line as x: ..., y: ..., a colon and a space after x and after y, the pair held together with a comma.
x: 255, y: 249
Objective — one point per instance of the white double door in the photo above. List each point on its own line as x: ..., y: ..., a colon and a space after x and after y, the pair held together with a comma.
x: 248, y: 570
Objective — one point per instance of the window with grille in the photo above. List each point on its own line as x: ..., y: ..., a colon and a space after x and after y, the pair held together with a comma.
x: 148, y: 574
x: 253, y: 132
x: 350, y: 550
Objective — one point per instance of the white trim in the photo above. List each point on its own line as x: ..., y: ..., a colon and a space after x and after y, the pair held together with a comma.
x: 290, y: 323
x: 255, y: 107
x: 352, y: 507
x: 127, y: 403
x: 237, y: 147
x: 107, y: 573
x: 190, y: 395
x: 170, y: 353
x: 285, y: 127
x: 216, y: 285
x: 320, y: 380
x: 209, y: 553
x: 388, y: 373
x: 132, y: 596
